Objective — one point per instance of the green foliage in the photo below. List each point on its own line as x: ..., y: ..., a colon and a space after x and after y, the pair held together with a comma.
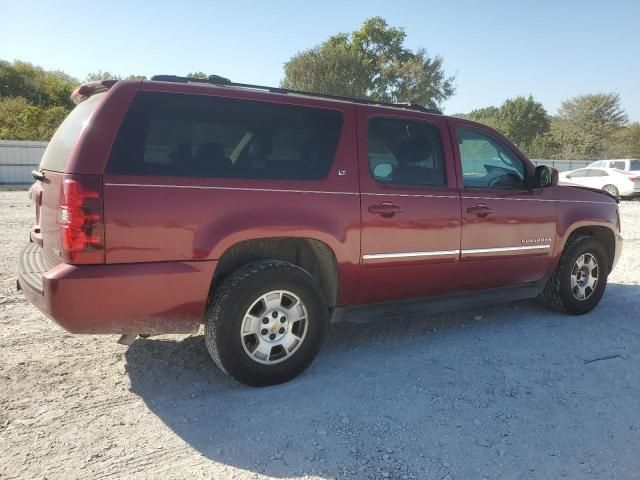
x: 198, y: 75
x: 20, y: 120
x: 586, y: 124
x: 100, y: 75
x: 625, y: 143
x: 38, y: 86
x: 523, y: 120
x: 371, y: 62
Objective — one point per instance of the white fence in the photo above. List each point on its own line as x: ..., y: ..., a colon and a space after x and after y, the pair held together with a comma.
x: 564, y: 165
x: 18, y: 158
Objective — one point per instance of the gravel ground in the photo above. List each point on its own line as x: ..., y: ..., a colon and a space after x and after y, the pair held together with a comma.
x: 512, y: 391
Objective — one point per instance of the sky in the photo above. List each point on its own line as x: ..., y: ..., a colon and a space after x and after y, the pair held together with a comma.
x: 553, y: 50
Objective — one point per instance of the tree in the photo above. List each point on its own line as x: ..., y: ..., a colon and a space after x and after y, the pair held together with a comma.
x: 20, y: 120
x: 587, y: 123
x: 100, y: 75
x: 488, y: 115
x: 198, y: 75
x: 373, y: 63
x: 625, y: 143
x: 523, y: 120
x: 38, y: 86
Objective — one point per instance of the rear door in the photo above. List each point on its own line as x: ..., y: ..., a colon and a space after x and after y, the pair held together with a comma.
x: 598, y: 178
x: 508, y: 230
x: 410, y: 206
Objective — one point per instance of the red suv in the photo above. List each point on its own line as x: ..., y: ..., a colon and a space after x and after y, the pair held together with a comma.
x: 266, y: 213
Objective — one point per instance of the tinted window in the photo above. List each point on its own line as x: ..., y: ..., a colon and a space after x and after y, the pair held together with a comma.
x: 488, y: 162
x: 198, y: 136
x: 634, y: 164
x: 594, y: 172
x: 405, y: 152
x: 57, y: 153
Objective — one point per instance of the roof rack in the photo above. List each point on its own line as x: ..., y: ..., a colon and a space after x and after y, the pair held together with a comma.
x: 222, y: 81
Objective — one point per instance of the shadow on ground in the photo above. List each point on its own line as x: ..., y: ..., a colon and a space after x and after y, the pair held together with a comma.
x: 497, y: 391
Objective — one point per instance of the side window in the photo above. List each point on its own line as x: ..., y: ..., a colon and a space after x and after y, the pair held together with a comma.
x: 595, y: 172
x: 579, y: 173
x: 619, y: 165
x: 487, y: 162
x: 197, y: 136
x: 405, y: 152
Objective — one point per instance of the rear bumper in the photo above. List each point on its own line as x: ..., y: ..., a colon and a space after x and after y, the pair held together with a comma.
x: 135, y: 298
x: 618, y: 250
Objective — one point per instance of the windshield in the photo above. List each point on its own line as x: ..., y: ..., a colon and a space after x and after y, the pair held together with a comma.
x: 59, y: 148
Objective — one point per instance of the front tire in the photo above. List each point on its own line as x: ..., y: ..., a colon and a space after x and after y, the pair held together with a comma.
x: 266, y: 323
x: 580, y: 279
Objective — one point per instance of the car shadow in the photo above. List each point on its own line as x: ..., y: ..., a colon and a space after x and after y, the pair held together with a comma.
x: 367, y: 387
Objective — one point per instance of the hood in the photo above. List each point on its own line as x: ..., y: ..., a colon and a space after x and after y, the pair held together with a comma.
x: 596, y: 191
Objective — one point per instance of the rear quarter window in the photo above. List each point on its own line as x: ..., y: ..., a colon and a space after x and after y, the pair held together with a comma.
x: 59, y: 149
x: 167, y: 134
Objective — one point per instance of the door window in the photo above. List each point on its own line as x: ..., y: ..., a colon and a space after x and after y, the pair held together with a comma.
x: 405, y: 152
x: 595, y: 172
x: 487, y: 162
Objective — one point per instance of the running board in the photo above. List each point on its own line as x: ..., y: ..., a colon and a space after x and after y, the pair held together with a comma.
x: 437, y: 304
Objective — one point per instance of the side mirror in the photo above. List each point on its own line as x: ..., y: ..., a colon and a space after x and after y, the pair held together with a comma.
x: 545, y: 177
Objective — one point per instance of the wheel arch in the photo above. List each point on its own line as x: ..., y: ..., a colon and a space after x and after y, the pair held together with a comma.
x: 312, y: 255
x: 603, y: 233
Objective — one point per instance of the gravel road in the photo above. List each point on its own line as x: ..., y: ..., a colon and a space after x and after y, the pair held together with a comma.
x: 513, y: 391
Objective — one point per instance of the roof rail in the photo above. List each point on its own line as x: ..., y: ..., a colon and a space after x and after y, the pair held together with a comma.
x: 222, y: 81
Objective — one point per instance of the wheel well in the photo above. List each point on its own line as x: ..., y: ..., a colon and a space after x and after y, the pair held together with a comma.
x: 603, y: 235
x: 312, y: 255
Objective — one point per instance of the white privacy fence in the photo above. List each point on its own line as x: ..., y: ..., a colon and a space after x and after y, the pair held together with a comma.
x: 564, y: 165
x: 18, y: 158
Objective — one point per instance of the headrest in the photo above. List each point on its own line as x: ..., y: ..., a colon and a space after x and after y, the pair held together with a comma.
x: 414, y: 150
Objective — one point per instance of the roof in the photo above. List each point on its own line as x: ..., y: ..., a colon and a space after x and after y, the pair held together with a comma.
x: 225, y: 82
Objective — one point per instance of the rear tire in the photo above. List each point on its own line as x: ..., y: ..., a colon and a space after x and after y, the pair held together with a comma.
x: 266, y: 323
x: 612, y: 190
x: 580, y: 279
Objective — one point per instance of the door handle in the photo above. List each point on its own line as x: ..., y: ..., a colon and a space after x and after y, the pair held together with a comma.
x: 481, y: 210
x: 385, y: 209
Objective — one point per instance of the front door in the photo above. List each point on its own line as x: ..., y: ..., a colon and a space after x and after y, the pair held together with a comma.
x: 410, y: 206
x: 508, y: 229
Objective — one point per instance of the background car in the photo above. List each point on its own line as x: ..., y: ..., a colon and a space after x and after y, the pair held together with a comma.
x: 628, y: 164
x: 616, y: 182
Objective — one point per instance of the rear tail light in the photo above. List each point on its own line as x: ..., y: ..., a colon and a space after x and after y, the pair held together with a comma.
x: 80, y: 219
x: 634, y: 178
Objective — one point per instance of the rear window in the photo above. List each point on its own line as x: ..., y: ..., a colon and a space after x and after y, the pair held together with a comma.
x: 634, y: 164
x: 199, y: 136
x: 57, y: 153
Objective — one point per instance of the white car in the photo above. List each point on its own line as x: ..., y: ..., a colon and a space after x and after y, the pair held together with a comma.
x: 617, y: 183
x: 628, y: 164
